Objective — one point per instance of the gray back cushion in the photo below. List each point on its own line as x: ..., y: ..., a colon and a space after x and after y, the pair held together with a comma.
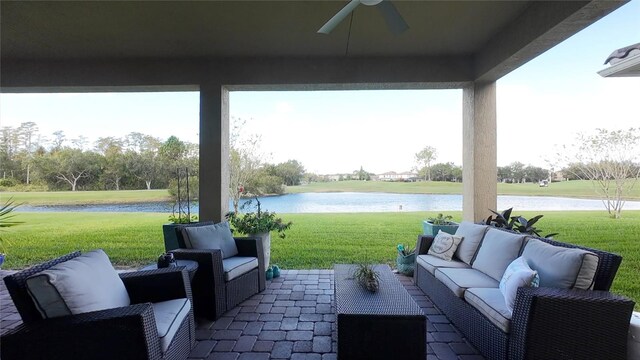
x: 498, y: 249
x: 561, y: 267
x: 85, y: 283
x: 472, y: 235
x: 216, y: 236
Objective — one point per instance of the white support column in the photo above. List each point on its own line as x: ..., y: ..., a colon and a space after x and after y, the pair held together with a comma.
x: 479, y: 159
x: 214, y: 152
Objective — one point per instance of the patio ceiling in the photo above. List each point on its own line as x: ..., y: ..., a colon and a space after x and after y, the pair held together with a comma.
x: 51, y: 43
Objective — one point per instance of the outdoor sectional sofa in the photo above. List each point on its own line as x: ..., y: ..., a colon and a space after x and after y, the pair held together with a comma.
x: 571, y: 315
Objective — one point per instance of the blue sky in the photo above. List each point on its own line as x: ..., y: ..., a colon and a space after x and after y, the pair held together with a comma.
x: 540, y: 105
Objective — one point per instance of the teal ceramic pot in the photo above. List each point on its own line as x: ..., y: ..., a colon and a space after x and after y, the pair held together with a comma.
x: 269, y: 273
x: 432, y: 230
x: 276, y: 271
x: 406, y: 264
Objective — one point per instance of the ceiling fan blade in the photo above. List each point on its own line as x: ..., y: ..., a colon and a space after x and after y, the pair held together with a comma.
x: 394, y: 20
x: 337, y: 18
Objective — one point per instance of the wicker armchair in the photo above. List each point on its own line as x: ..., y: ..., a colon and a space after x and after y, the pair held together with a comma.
x: 120, y: 333
x: 212, y: 295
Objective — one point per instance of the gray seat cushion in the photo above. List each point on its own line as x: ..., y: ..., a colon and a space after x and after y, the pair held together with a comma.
x: 82, y: 284
x: 491, y: 304
x: 215, y: 236
x: 472, y: 235
x: 498, y: 249
x: 431, y: 263
x: 459, y: 280
x: 169, y: 315
x: 238, y: 266
x: 561, y: 267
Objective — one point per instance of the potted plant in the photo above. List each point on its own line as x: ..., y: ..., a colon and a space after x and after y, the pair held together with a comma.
x: 6, y: 220
x: 367, y: 277
x: 181, y: 211
x: 258, y: 224
x: 433, y: 225
x: 518, y: 223
x: 406, y: 260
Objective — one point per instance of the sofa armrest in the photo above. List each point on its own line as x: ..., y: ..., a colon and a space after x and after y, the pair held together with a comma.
x: 208, y: 282
x: 551, y: 323
x: 157, y: 285
x: 123, y: 333
x: 253, y: 247
x: 423, y: 244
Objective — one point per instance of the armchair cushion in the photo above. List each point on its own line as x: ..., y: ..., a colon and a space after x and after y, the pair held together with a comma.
x: 561, y: 267
x: 215, y: 236
x: 459, y: 280
x: 472, y: 235
x: 169, y: 315
x: 79, y: 285
x: 498, y: 249
x: 490, y: 303
x: 237, y: 266
x: 431, y: 263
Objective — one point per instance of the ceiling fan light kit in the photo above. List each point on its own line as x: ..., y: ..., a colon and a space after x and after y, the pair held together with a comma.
x: 392, y: 17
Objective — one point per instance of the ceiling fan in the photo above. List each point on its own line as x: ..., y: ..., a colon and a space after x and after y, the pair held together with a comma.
x: 394, y: 20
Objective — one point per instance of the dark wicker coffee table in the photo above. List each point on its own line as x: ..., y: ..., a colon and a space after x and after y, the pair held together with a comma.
x: 387, y: 324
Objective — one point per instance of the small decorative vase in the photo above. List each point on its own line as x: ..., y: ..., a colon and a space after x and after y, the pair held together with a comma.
x: 2, y: 256
x: 166, y: 260
x: 269, y: 273
x: 276, y: 271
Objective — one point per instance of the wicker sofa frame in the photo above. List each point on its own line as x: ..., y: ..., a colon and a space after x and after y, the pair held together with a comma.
x: 212, y: 295
x: 547, y: 323
x: 126, y: 332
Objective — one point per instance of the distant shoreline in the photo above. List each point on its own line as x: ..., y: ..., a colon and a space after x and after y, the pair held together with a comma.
x: 578, y: 189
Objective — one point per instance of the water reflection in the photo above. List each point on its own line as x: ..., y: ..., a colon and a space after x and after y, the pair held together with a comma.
x: 358, y: 202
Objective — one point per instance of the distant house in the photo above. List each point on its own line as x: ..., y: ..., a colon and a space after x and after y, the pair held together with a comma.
x: 623, y: 62
x: 332, y: 177
x: 394, y: 176
x: 558, y: 176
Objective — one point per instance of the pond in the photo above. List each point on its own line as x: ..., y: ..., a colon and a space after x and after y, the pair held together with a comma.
x: 359, y: 202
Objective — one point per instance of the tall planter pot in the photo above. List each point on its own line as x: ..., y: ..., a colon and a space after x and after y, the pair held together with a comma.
x: 432, y: 230
x: 266, y: 246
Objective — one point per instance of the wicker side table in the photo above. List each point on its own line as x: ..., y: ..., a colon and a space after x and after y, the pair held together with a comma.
x: 189, y: 265
x: 387, y: 324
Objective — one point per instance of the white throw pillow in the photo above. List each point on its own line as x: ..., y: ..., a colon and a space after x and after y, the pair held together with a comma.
x: 444, y: 245
x: 518, y: 274
x: 85, y: 283
x: 216, y: 236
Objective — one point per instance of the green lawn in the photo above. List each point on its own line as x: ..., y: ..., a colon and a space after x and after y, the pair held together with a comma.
x: 580, y: 188
x: 314, y: 241
x: 86, y: 197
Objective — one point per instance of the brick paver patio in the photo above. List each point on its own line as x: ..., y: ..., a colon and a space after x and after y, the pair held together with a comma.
x: 292, y: 319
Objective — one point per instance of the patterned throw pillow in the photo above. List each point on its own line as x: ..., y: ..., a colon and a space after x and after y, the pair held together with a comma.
x: 444, y: 245
x: 517, y: 274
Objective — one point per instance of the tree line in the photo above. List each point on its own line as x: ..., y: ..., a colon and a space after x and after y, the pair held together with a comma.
x: 134, y: 161
x: 30, y: 160
x: 515, y: 172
